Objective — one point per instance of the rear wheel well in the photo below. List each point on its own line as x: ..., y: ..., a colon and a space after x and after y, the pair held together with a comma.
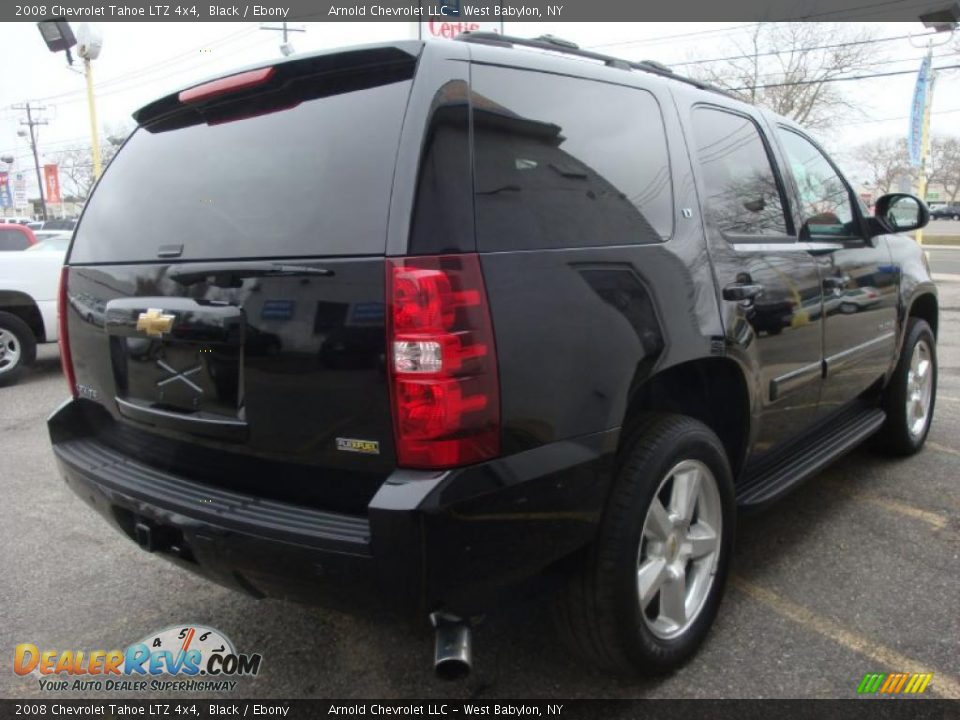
x: 925, y: 308
x: 711, y: 390
x: 23, y: 306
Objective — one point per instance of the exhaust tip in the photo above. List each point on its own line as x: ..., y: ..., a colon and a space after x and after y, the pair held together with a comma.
x: 452, y: 669
x: 453, y: 655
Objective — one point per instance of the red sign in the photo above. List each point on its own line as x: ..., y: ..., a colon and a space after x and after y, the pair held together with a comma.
x: 51, y: 177
x: 449, y: 30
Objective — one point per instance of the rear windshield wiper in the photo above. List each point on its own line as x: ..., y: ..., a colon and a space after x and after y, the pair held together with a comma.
x: 230, y: 275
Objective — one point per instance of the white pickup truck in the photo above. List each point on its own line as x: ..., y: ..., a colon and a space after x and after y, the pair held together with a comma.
x: 29, y: 281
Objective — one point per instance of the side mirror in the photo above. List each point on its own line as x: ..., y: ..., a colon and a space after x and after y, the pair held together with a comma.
x: 900, y: 212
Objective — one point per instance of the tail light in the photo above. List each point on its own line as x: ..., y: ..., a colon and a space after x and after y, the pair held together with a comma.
x: 66, y: 359
x: 442, y: 360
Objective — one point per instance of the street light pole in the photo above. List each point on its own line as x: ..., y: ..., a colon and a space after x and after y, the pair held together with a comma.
x: 89, y: 44
x: 92, y: 107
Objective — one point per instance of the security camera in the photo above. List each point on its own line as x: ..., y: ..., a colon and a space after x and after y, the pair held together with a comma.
x: 89, y: 41
x: 944, y: 20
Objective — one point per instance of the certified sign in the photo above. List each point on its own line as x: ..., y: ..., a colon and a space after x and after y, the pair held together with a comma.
x: 449, y: 18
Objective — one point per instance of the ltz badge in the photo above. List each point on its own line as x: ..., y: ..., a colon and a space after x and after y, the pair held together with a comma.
x: 367, y: 447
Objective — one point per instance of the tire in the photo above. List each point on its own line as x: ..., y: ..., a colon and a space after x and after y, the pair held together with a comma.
x: 956, y: 217
x: 848, y: 308
x: 599, y: 611
x: 903, y: 433
x: 18, y: 348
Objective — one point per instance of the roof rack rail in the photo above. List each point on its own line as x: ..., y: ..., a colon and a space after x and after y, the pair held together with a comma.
x: 550, y: 42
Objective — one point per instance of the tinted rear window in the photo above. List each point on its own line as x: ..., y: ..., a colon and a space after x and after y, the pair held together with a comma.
x: 311, y: 180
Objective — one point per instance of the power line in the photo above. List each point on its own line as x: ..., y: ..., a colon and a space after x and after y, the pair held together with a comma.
x: 662, y: 38
x: 730, y: 30
x: 874, y: 63
x: 839, y: 79
x: 48, y: 144
x: 137, y: 82
x: 898, y: 117
x: 159, y: 66
x: 819, y: 47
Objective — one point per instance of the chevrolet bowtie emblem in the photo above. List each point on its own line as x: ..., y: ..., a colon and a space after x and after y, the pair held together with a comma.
x: 154, y: 322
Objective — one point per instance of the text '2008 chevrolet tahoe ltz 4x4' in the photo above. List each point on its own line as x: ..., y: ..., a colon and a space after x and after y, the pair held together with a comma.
x: 482, y: 314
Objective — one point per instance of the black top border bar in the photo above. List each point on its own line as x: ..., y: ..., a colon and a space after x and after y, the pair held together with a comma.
x: 473, y: 10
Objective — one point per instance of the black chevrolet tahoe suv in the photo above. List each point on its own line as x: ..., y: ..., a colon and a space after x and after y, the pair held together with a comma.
x: 418, y: 326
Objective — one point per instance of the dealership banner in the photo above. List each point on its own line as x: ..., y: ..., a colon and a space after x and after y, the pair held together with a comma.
x: 51, y: 181
x: 6, y: 199
x: 481, y: 11
x: 918, y: 111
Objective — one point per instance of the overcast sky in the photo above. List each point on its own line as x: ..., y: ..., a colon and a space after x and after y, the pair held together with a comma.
x: 142, y: 61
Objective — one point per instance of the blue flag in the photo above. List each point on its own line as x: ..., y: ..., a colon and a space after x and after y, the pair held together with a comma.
x: 917, y: 111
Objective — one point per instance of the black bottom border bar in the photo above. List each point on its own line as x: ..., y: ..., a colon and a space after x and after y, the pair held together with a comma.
x: 873, y: 708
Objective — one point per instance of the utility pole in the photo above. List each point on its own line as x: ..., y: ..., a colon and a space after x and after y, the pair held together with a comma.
x: 30, y: 122
x: 286, y: 48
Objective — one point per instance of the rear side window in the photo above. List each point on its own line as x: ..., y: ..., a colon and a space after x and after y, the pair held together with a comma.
x: 564, y: 162
x: 741, y: 193
x: 11, y: 239
x: 311, y: 180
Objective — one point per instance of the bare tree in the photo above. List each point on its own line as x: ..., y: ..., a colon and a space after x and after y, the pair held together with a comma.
x: 76, y: 161
x: 790, y: 68
x: 945, y: 165
x: 886, y: 161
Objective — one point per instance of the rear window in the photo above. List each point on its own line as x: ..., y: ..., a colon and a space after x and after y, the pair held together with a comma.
x: 312, y: 180
x: 11, y: 239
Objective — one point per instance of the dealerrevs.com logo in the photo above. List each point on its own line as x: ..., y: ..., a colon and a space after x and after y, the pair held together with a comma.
x: 182, y: 658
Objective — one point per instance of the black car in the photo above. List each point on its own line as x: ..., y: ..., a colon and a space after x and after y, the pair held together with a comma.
x: 540, y: 315
x: 945, y: 212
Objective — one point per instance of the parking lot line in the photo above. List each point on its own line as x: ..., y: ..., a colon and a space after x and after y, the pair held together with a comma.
x: 935, y: 520
x: 942, y: 448
x: 942, y: 684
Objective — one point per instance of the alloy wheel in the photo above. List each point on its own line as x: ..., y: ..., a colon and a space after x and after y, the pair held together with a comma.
x: 9, y: 350
x: 679, y: 549
x: 919, y: 389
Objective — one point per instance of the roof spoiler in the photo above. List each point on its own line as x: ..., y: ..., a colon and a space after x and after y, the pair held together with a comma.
x: 194, y: 104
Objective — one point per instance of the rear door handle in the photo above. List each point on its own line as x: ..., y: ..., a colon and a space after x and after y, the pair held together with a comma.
x: 741, y: 291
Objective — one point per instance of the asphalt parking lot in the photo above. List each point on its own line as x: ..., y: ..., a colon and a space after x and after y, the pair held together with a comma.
x: 858, y: 571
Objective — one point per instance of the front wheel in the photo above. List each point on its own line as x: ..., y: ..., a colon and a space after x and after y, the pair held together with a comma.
x: 911, y: 394
x: 647, y: 591
x: 18, y: 348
